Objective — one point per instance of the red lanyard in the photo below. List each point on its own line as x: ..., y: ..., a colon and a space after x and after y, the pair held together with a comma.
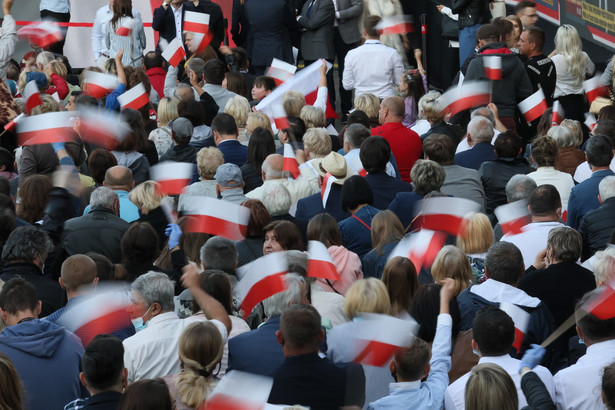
x: 364, y: 224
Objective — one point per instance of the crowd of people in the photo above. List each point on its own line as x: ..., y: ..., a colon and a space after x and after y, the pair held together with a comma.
x: 112, y: 300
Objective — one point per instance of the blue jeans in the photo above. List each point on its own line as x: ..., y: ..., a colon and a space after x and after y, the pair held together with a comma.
x: 467, y: 42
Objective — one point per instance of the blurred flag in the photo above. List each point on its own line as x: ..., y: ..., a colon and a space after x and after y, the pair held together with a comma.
x: 134, y: 98
x: 320, y: 264
x: 41, y: 33
x: 240, y: 391
x: 513, y: 217
x: 520, y: 318
x: 98, y: 85
x: 216, y: 217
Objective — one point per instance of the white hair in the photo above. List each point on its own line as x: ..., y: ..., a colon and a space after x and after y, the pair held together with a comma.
x: 271, y: 172
x: 274, y: 305
x: 606, y: 188
x: 276, y: 199
x: 604, y: 266
x: 562, y: 136
x: 481, y: 129
x: 103, y: 196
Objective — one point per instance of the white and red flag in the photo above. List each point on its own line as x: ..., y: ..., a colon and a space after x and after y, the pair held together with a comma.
x: 590, y: 121
x: 468, y: 95
x: 281, y: 71
x: 444, y: 214
x: 45, y: 128
x: 289, y: 162
x: 101, y: 312
x: 216, y: 217
x: 320, y: 264
x: 13, y: 123
x: 378, y: 337
x: 174, y: 52
x: 31, y: 96
x: 420, y: 247
x: 325, y: 190
x: 102, y: 128
x: 259, y: 280
x: 398, y: 24
x: 520, y: 318
x: 279, y: 117
x: 134, y: 98
x: 41, y: 33
x: 594, y: 87
x: 196, y: 22
x: 202, y: 40
x: 493, y: 67
x: 602, y: 305
x: 533, y: 106
x: 98, y: 85
x: 513, y: 217
x: 126, y: 27
x: 558, y: 113
x: 240, y: 391
x: 172, y: 176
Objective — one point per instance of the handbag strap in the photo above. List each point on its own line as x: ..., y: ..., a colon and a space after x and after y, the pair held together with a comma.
x: 364, y: 224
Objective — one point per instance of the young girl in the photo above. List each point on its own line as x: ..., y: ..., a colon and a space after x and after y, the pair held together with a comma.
x: 413, y: 85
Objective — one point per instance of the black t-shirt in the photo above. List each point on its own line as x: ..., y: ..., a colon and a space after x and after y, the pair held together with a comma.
x: 541, y: 71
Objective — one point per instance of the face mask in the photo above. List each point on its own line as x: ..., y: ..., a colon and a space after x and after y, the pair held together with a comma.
x: 138, y: 322
x: 475, y: 352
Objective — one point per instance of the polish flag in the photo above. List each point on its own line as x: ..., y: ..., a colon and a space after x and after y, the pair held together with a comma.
x: 397, y: 24
x: 216, y: 217
x: 603, y: 305
x: 174, y: 52
x: 590, y: 121
x: 444, y: 214
x: 101, y: 312
x: 31, y: 96
x: 134, y: 98
x: 279, y: 117
x: 196, y: 22
x: 41, y: 33
x: 45, y: 128
x: 172, y: 176
x: 202, y: 40
x: 290, y: 163
x: 11, y: 125
x: 320, y: 264
x: 468, y: 95
x: 595, y: 88
x: 420, y: 247
x: 281, y: 71
x: 533, y: 106
x: 325, y: 190
x: 520, y: 318
x: 378, y: 337
x: 259, y: 280
x: 513, y: 217
x: 356, y: 164
x: 306, y: 82
x: 493, y: 67
x: 240, y: 391
x: 98, y: 85
x: 558, y: 113
x: 102, y: 128
x: 125, y: 29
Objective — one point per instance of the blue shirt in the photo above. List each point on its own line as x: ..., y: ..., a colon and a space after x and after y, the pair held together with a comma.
x: 57, y: 6
x: 128, y: 211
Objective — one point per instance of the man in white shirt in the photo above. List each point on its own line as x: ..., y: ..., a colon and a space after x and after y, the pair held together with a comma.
x: 152, y: 352
x: 103, y: 17
x: 493, y: 336
x: 578, y: 386
x: 372, y: 68
x: 546, y: 209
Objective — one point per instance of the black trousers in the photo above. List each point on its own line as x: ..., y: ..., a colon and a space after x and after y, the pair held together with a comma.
x: 341, y: 49
x: 58, y: 47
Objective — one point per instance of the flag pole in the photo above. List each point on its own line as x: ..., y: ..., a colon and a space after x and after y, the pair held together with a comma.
x: 564, y: 327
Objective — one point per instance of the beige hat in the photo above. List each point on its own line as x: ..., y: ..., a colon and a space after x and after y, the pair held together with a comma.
x: 336, y: 165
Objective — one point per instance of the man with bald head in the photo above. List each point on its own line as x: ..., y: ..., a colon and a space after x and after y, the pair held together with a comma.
x: 272, y: 173
x: 119, y: 179
x: 405, y: 144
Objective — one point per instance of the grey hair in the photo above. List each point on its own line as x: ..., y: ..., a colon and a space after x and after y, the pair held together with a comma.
x: 566, y: 243
x: 103, y: 196
x: 180, y: 87
x: 276, y: 199
x: 427, y: 176
x: 484, y: 112
x: 155, y: 287
x: 519, y: 187
x: 270, y: 172
x: 45, y: 57
x: 430, y: 107
x: 563, y: 136
x: 604, y: 266
x: 606, y: 188
x: 355, y: 134
x: 220, y: 254
x: 481, y: 129
x: 24, y: 242
x: 274, y: 305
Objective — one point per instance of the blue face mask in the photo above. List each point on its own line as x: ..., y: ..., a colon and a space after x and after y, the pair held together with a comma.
x: 138, y: 322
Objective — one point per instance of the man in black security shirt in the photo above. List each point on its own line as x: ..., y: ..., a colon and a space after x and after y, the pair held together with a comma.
x: 540, y: 68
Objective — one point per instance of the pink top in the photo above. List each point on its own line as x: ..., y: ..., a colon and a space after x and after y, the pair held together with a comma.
x: 348, y: 266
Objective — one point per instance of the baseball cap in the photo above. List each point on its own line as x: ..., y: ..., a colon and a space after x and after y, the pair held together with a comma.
x: 229, y: 176
x: 182, y: 127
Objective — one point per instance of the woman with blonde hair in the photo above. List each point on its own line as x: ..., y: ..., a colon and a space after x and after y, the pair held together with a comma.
x: 387, y: 231
x: 147, y: 197
x: 257, y: 119
x: 401, y: 281
x: 293, y: 101
x: 452, y: 263
x: 370, y: 105
x: 489, y: 387
x: 476, y: 241
x: 572, y: 66
x: 161, y: 136
x: 239, y: 107
x: 200, y: 352
x: 313, y: 117
x: 207, y: 162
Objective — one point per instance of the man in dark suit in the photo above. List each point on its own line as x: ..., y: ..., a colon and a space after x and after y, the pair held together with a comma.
x: 216, y: 18
x: 225, y: 137
x: 309, y: 207
x: 168, y: 21
x: 479, y: 136
x: 597, y: 225
x: 304, y: 377
x: 375, y: 153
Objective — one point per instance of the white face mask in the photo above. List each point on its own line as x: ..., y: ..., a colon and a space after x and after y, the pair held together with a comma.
x: 138, y: 322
